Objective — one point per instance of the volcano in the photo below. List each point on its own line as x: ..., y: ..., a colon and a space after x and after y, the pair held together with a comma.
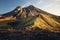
x: 30, y: 17
x: 29, y: 23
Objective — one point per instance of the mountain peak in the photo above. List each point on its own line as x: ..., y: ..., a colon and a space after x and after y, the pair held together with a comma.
x: 31, y: 6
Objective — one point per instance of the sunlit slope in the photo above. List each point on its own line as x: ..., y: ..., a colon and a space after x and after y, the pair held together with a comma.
x: 44, y: 21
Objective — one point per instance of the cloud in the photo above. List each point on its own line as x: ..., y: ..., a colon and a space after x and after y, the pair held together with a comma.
x: 39, y: 2
x: 57, y: 0
x: 27, y: 3
x: 53, y: 8
x: 49, y: 5
x: 56, y: 11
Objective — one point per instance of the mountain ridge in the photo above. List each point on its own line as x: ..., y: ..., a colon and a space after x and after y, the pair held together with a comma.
x: 31, y: 7
x: 30, y: 17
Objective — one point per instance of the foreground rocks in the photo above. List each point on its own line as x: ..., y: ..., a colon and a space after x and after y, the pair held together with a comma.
x: 30, y: 35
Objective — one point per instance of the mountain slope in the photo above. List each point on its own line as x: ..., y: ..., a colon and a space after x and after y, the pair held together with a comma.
x: 29, y: 18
